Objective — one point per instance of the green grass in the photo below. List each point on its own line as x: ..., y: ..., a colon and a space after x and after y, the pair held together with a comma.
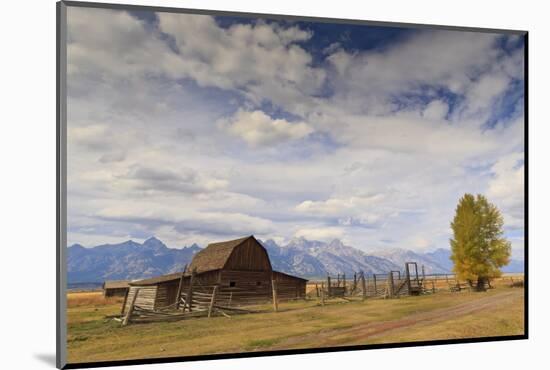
x: 304, y: 324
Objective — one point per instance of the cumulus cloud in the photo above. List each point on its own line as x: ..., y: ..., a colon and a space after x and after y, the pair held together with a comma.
x: 153, y: 215
x: 186, y: 180
x: 355, y: 210
x: 257, y: 128
x: 193, y: 131
x: 322, y: 234
x: 507, y: 188
x: 436, y: 110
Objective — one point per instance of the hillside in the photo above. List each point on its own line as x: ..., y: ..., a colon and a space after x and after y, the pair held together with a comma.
x: 301, y: 257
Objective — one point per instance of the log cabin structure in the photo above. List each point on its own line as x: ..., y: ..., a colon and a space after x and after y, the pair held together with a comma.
x: 240, y: 269
x: 115, y: 288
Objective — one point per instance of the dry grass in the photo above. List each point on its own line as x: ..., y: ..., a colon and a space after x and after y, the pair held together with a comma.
x: 80, y: 299
x: 302, y: 324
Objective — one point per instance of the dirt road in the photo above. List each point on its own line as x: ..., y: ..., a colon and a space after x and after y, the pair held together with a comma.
x: 364, y: 333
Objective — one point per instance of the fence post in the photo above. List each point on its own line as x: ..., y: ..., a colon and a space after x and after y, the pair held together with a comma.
x: 408, y: 277
x: 274, y: 291
x: 189, y: 297
x: 390, y: 284
x: 375, y: 290
x: 124, y: 303
x: 328, y: 286
x: 344, y: 283
x: 212, y: 300
x: 180, y: 287
x: 130, y: 309
x: 363, y: 286
x: 322, y: 294
x: 317, y: 290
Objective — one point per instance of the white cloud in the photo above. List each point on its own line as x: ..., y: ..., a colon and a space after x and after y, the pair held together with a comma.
x: 152, y: 215
x: 362, y: 209
x: 165, y: 132
x: 322, y: 234
x: 436, y: 110
x: 261, y: 60
x: 481, y: 94
x: 257, y: 128
x: 506, y: 189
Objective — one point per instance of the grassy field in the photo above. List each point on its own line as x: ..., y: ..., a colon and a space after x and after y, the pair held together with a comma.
x: 303, y: 324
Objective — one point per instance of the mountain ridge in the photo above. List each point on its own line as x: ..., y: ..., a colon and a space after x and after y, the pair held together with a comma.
x: 307, y: 258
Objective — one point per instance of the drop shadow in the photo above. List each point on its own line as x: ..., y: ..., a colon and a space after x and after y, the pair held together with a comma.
x: 47, y: 358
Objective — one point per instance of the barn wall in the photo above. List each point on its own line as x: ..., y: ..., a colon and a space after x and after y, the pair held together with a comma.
x: 249, y: 256
x: 249, y: 286
x: 289, y: 287
x: 115, y: 292
x: 166, y: 293
x: 145, y: 298
x: 203, y: 282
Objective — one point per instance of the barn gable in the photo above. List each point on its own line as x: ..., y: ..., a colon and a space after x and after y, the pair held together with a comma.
x: 245, y: 254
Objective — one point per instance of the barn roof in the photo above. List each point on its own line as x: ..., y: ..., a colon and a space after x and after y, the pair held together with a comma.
x: 157, y: 279
x: 115, y: 284
x: 290, y: 276
x: 215, y: 255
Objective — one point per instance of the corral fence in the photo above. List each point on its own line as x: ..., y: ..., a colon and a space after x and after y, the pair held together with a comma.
x: 207, y: 300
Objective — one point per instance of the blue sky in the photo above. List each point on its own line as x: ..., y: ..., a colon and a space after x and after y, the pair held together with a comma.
x: 197, y: 129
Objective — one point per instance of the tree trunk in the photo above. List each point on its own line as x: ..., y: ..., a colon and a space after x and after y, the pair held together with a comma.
x: 481, y: 284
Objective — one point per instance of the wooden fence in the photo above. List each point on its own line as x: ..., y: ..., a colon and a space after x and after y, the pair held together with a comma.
x: 201, y: 301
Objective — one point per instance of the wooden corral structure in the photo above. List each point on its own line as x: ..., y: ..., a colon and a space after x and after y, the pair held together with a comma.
x: 240, y: 269
x: 154, y: 293
x: 392, y: 284
x: 115, y: 288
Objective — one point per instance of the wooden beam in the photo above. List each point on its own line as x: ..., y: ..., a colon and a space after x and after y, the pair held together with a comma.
x: 274, y: 291
x: 408, y: 276
x: 130, y: 309
x: 344, y: 282
x: 363, y: 285
x: 189, y: 297
x: 212, y: 300
x: 390, y: 285
x: 125, y: 299
x: 178, y: 296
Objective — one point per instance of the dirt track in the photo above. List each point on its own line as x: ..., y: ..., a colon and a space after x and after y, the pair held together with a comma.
x: 361, y: 333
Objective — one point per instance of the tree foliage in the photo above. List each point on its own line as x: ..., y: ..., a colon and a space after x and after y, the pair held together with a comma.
x: 478, y: 246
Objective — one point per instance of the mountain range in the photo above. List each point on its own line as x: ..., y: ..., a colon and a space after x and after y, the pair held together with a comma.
x: 301, y: 257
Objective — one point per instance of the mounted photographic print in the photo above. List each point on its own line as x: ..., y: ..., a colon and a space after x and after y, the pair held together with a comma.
x: 234, y: 185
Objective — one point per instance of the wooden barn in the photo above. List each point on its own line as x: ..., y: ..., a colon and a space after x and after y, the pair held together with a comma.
x: 240, y: 268
x: 115, y: 288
